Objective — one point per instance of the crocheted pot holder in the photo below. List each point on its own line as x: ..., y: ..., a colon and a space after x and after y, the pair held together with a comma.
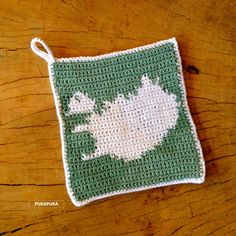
x: 124, y: 121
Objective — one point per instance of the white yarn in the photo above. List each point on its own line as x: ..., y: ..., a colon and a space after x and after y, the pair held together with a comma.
x: 128, y: 127
x: 46, y: 56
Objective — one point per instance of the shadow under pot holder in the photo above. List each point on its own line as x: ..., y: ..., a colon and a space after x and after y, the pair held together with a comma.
x: 124, y: 121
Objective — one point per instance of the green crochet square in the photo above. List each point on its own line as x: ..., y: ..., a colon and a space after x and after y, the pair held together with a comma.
x: 125, y: 122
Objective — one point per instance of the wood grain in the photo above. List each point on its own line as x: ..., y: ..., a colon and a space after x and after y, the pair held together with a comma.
x: 30, y: 151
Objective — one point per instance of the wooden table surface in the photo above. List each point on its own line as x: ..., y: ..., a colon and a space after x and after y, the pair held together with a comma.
x: 30, y: 148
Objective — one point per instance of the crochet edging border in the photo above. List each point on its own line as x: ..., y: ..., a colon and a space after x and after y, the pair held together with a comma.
x: 188, y: 114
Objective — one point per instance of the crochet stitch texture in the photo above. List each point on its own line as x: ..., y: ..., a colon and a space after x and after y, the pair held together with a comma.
x: 124, y: 120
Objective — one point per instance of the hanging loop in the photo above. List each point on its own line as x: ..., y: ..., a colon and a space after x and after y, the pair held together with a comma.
x: 48, y: 56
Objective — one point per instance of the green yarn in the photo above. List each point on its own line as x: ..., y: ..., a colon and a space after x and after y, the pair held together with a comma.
x: 177, y: 158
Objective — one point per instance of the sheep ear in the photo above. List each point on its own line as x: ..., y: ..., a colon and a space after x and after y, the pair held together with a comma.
x: 79, y: 97
x: 89, y: 101
x: 80, y: 102
x: 145, y: 80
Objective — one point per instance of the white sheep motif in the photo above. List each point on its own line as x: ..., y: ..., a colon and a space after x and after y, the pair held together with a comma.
x: 127, y: 128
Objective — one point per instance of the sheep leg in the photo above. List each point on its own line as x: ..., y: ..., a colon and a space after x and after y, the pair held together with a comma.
x: 80, y: 128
